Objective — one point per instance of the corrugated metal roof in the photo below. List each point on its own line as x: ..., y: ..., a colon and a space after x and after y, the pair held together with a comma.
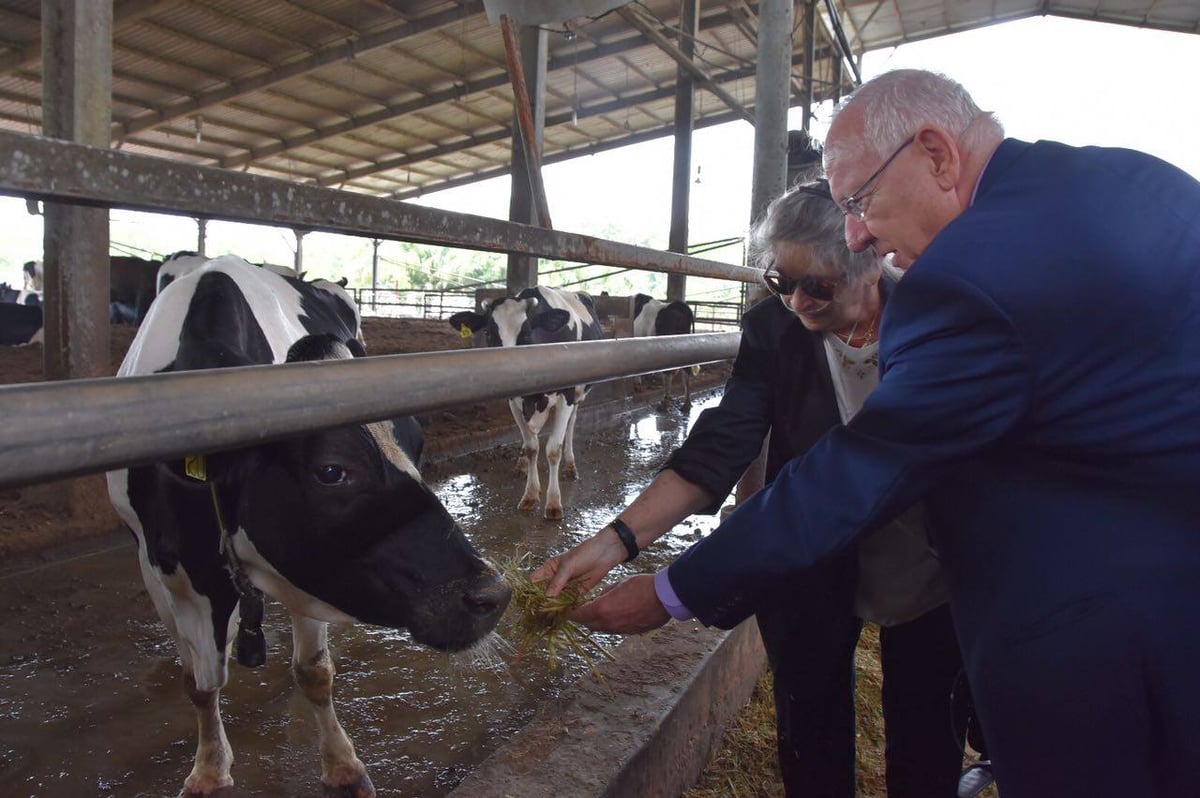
x: 402, y: 97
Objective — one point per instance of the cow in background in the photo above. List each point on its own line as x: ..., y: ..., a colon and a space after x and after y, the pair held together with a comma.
x: 20, y: 324
x: 21, y: 316
x: 177, y: 265
x: 652, y: 317
x: 32, y: 271
x: 131, y: 288
x: 540, y: 315
x: 23, y: 297
x: 336, y: 524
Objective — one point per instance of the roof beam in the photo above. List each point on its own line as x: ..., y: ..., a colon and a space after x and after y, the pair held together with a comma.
x: 330, y: 55
x: 685, y: 62
x: 552, y: 121
x: 123, y: 14
x: 457, y: 92
x: 566, y: 155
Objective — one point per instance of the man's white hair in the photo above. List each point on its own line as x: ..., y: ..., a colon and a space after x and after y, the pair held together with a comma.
x: 896, y: 104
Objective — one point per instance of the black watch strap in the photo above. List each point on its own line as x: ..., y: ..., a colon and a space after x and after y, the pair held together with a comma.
x: 627, y: 537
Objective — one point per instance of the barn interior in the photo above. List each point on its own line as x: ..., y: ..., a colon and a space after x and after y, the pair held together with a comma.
x: 329, y: 114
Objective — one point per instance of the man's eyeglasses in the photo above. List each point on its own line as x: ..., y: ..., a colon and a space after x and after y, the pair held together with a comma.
x: 782, y: 286
x: 852, y: 205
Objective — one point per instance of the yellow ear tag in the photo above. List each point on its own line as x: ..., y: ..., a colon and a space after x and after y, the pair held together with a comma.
x: 194, y: 467
x: 695, y: 370
x: 465, y: 331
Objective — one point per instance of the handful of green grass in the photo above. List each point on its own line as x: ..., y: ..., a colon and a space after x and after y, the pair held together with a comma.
x: 541, y: 620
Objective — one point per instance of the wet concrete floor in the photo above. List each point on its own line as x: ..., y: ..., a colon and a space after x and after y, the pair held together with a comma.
x: 90, y: 696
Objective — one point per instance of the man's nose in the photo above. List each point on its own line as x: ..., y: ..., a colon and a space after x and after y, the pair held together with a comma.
x: 858, y: 237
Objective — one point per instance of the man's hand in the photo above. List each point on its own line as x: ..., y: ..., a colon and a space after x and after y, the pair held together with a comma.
x: 629, y: 607
x: 587, y: 563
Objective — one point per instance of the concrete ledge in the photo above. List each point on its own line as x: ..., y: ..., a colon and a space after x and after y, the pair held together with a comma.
x: 673, y: 692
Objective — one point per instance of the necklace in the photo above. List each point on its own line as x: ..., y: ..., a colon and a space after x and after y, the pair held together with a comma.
x: 853, y: 365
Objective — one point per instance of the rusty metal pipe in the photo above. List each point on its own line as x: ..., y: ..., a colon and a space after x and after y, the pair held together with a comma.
x: 63, y: 429
x: 59, y: 171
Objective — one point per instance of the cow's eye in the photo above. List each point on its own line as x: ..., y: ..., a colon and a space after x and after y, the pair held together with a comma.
x: 331, y: 474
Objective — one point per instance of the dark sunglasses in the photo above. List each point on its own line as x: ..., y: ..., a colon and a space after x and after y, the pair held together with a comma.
x: 818, y: 288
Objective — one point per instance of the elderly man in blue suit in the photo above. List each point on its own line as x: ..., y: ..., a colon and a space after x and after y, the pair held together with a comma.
x: 1040, y: 388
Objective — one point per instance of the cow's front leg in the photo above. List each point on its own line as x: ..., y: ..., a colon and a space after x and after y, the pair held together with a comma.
x: 687, y: 388
x: 210, y: 773
x: 569, y: 469
x: 564, y: 414
x: 529, y: 441
x: 668, y: 377
x: 342, y: 772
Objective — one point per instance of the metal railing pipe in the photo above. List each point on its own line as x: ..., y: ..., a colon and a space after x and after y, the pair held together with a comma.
x: 62, y: 429
x: 59, y: 171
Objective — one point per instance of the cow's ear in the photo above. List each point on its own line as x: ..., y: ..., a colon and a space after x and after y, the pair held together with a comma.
x: 552, y: 320
x: 345, y: 281
x: 356, y: 348
x: 468, y: 318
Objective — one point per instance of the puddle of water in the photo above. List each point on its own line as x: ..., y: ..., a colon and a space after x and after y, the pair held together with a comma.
x: 90, y: 695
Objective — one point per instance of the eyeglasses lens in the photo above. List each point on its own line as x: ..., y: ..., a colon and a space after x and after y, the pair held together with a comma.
x: 814, y: 287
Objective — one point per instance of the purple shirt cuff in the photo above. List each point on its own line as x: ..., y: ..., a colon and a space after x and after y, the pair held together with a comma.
x: 666, y: 594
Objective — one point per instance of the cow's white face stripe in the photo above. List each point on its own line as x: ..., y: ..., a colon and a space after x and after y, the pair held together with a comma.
x: 509, y: 317
x: 384, y: 437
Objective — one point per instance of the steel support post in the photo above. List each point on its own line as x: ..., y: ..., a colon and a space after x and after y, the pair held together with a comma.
x: 681, y: 178
x: 523, y: 269
x: 772, y: 86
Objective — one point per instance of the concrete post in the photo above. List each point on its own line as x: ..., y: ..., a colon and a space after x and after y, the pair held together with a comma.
x: 77, y: 106
x: 299, y: 262
x: 681, y: 184
x: 375, y: 242
x: 201, y: 237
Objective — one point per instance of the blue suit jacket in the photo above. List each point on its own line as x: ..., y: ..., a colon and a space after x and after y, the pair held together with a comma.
x: 1041, y: 389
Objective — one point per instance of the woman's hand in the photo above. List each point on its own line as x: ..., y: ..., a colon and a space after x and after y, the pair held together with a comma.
x: 586, y: 564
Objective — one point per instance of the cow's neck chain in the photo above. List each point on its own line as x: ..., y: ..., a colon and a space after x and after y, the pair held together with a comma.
x: 232, y: 564
x: 251, y: 646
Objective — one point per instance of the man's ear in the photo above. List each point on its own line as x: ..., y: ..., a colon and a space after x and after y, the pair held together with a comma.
x: 943, y: 154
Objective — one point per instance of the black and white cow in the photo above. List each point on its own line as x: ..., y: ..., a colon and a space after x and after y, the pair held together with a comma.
x: 177, y: 265
x: 652, y: 317
x: 20, y: 324
x: 540, y: 315
x: 337, y: 524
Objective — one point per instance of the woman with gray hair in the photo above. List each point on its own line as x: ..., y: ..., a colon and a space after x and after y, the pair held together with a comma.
x: 808, y: 359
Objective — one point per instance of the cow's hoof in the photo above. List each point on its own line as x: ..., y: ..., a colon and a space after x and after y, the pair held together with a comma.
x: 225, y: 791
x: 363, y: 788
x: 528, y: 505
x: 662, y: 407
x: 569, y: 472
x: 554, y: 513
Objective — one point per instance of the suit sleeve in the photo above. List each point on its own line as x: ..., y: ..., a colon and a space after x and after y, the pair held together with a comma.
x: 955, y: 379
x: 726, y: 439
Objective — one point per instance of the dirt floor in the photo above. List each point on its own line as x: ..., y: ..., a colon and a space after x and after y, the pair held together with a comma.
x: 65, y: 512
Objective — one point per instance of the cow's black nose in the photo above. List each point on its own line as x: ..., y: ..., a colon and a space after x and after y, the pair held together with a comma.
x: 487, y: 597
